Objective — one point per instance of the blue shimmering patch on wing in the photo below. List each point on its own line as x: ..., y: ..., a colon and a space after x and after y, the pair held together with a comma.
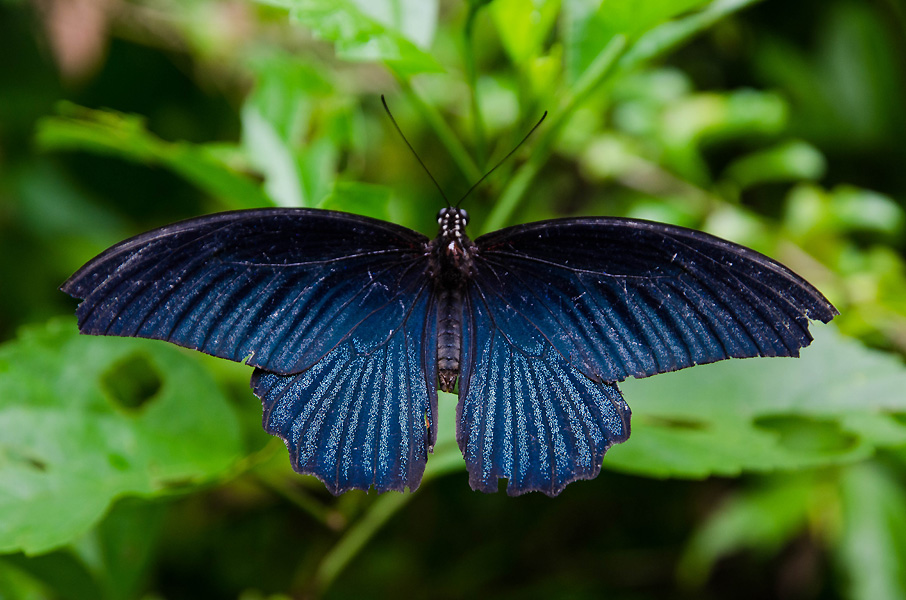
x: 365, y: 414
x: 526, y: 413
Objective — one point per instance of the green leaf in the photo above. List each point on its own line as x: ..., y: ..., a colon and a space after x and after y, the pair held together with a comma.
x: 277, y: 122
x: 872, y: 549
x: 523, y: 26
x: 84, y: 420
x: 763, y: 519
x: 838, y: 403
x: 789, y: 161
x: 393, y: 31
x: 21, y: 585
x: 361, y: 199
x: 590, y: 25
x: 669, y: 35
x: 125, y: 136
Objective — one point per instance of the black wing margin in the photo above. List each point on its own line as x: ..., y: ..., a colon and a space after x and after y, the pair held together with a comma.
x: 621, y: 297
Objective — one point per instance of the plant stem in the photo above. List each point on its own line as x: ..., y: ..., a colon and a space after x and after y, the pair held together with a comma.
x: 446, y: 459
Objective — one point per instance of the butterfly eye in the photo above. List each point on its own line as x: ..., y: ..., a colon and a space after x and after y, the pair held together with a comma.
x: 464, y: 216
x: 440, y: 215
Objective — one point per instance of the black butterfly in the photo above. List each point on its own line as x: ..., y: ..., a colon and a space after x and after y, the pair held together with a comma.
x: 353, y: 324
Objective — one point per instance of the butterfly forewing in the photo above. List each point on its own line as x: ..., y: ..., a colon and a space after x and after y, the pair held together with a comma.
x: 620, y: 297
x: 278, y: 287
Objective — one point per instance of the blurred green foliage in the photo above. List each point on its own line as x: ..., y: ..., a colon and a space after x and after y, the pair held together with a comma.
x: 130, y: 469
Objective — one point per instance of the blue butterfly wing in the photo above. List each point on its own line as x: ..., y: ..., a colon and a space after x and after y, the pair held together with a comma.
x: 621, y: 297
x: 276, y: 288
x: 334, y: 310
x: 556, y: 312
x: 526, y: 413
x: 364, y: 415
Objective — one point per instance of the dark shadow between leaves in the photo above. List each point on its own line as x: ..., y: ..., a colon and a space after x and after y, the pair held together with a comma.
x: 132, y: 382
x: 673, y: 423
x: 803, y: 434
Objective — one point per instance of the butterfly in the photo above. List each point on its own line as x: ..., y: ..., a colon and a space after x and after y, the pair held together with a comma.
x: 353, y: 324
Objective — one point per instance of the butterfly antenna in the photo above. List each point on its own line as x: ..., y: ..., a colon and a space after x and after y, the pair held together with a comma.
x: 503, y: 160
x: 414, y: 153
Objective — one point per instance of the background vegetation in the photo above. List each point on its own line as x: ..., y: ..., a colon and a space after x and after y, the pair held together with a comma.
x: 132, y: 469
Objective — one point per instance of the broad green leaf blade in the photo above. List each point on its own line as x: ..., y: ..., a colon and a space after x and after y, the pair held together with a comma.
x: 838, y: 403
x: 872, y: 550
x: 124, y: 136
x: 393, y: 31
x: 86, y: 419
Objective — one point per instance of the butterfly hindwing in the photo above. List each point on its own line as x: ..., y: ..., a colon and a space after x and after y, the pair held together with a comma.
x: 278, y: 288
x: 364, y: 415
x: 623, y: 298
x: 526, y: 413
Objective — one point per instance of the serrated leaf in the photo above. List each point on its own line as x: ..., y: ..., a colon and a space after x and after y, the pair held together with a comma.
x: 75, y: 434
x: 838, y: 403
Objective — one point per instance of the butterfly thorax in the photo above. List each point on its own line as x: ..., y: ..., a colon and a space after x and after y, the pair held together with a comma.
x: 451, y: 263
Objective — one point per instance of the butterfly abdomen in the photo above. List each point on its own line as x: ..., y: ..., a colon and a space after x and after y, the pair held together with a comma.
x: 449, y: 337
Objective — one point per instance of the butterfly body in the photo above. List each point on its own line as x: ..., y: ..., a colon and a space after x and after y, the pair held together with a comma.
x: 451, y: 267
x: 353, y: 324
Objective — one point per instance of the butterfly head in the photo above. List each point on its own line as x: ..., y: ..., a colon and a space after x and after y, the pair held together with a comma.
x: 452, y: 249
x: 453, y: 223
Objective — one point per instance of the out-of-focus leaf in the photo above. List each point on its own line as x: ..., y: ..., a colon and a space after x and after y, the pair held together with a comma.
x: 810, y: 209
x: 119, y: 551
x: 872, y: 548
x: 671, y: 34
x: 393, y: 31
x: 838, y: 403
x: 125, y: 136
x: 762, y: 519
x: 270, y: 153
x: 84, y: 420
x: 849, y: 89
x: 590, y: 25
x: 20, y: 585
x: 789, y: 161
x: 523, y: 26
x: 360, y: 198
x: 713, y: 118
x: 276, y: 118
x: 860, y: 209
